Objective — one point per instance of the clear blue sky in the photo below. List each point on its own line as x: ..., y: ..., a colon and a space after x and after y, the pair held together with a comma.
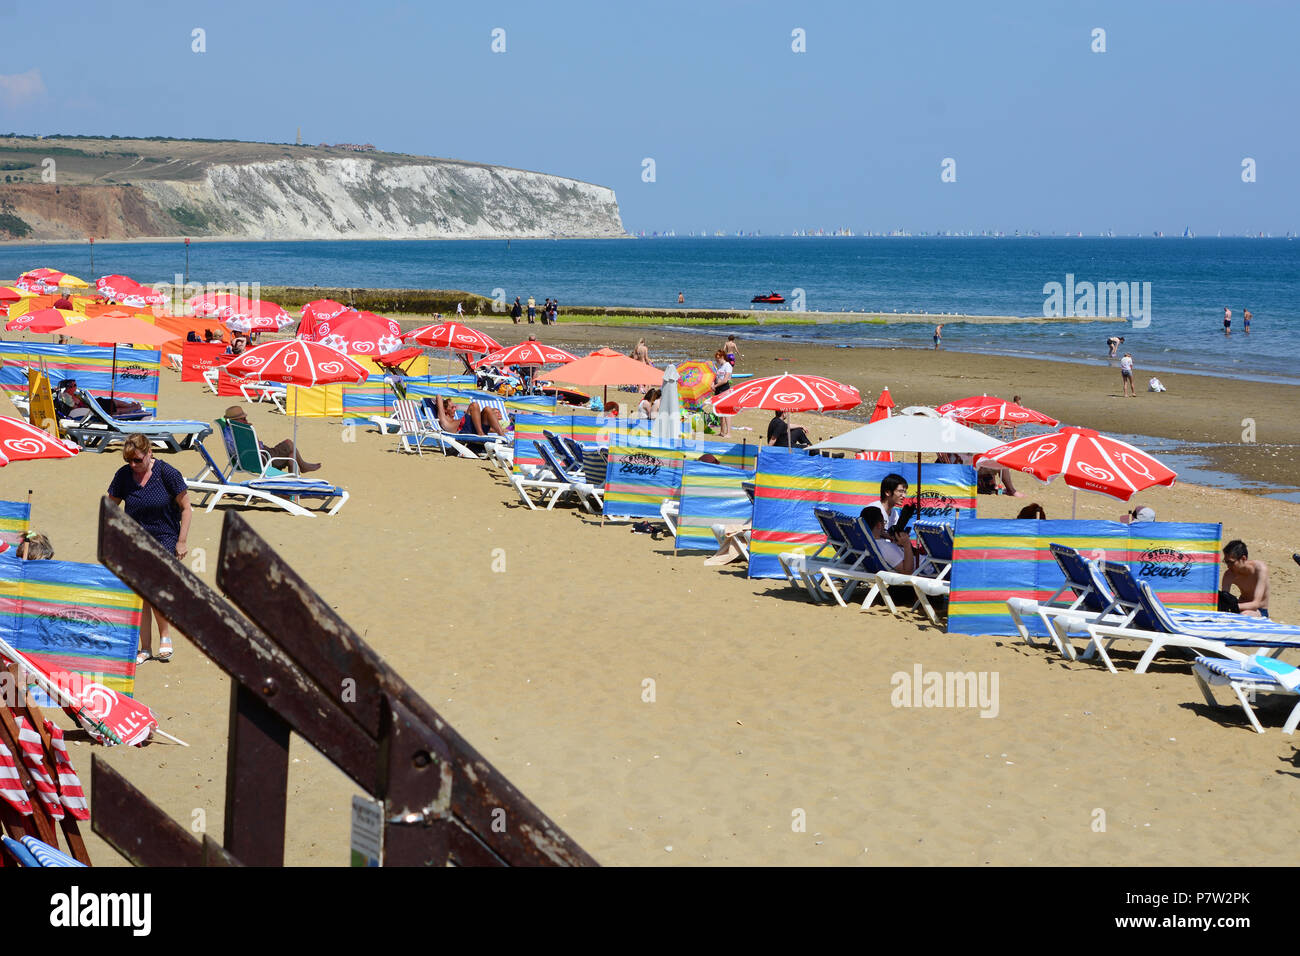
x: 745, y: 133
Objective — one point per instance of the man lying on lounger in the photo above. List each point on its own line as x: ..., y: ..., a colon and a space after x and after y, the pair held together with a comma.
x: 473, y: 422
x: 1250, y: 577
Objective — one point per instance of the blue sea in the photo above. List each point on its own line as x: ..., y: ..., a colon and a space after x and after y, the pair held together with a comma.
x: 1190, y: 281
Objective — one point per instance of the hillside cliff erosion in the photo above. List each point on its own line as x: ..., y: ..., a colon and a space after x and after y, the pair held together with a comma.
x: 286, y: 193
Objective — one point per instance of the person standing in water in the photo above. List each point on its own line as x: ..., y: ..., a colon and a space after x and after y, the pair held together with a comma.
x: 1227, y: 321
x: 938, y: 335
x: 1245, y: 319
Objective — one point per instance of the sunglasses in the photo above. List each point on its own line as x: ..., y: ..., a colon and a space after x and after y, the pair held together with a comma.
x: 137, y: 461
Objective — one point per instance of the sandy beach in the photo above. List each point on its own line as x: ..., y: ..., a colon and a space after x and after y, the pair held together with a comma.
x: 767, y: 707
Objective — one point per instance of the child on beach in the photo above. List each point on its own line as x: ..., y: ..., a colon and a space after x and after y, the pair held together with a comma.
x: 1126, y: 373
x: 730, y: 351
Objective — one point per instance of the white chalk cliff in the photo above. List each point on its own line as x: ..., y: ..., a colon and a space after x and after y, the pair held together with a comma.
x: 360, y: 198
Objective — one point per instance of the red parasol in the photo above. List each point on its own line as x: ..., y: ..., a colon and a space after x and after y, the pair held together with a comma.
x: 359, y: 333
x: 20, y: 441
x: 1086, y: 459
x: 987, y: 410
x: 296, y: 363
x: 449, y: 335
x: 530, y: 353
x: 789, y: 393
x: 126, y: 290
x: 42, y: 320
x: 322, y: 310
x: 883, y: 409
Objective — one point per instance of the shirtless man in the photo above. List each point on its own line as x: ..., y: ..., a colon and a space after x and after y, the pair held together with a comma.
x: 1227, y: 321
x: 1250, y: 577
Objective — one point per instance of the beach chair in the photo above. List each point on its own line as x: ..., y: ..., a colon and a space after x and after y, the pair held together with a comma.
x: 861, y: 564
x: 670, y: 509
x: 1144, y: 618
x: 461, y: 443
x: 571, y: 460
x: 1248, y: 678
x: 214, y: 483
x: 931, y: 578
x: 273, y: 392
x: 1083, y: 596
x: 802, y: 567
x: 557, y: 482
x: 413, y: 426
x: 99, y: 430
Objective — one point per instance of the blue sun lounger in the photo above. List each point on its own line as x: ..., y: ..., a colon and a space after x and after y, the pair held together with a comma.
x: 100, y: 430
x: 1248, y: 678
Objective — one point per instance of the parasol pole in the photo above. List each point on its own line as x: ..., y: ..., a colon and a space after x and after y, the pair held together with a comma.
x: 917, y: 500
x: 29, y: 510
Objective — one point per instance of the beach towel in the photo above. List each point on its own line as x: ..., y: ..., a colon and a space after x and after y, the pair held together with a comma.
x: 790, y: 485
x: 994, y: 560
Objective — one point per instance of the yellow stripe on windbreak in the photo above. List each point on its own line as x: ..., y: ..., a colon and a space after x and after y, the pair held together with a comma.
x: 1082, y: 542
x: 979, y: 608
x: 802, y: 483
x: 81, y: 594
x: 781, y: 547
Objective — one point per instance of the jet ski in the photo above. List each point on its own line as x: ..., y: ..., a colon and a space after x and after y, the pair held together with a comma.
x: 772, y: 297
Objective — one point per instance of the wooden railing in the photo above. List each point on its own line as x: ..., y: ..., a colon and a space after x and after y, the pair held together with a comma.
x: 296, y: 666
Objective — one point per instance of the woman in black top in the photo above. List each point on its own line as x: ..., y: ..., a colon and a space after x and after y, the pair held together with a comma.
x: 155, y: 494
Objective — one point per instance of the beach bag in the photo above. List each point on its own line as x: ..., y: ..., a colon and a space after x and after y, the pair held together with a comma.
x: 1155, y: 385
x: 1229, y: 602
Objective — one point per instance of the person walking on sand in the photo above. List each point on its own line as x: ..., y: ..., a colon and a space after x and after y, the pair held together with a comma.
x: 938, y: 335
x: 154, y: 494
x: 1227, y: 321
x: 516, y: 311
x: 1126, y: 373
x: 730, y: 351
x: 1245, y: 319
x: 721, y: 384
